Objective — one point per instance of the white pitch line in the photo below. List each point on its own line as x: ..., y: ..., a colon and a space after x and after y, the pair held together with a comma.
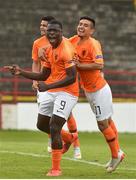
x: 67, y: 158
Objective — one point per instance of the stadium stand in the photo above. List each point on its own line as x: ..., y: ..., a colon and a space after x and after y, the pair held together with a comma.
x: 115, y: 21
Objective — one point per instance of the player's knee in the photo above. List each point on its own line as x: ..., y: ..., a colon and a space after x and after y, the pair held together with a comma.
x: 102, y: 125
x: 54, y: 129
x: 56, y: 124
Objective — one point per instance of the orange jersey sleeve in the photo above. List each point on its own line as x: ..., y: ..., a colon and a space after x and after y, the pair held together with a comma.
x: 42, y: 42
x: 96, y: 51
x: 89, y: 51
x: 39, y: 43
x: 59, y: 60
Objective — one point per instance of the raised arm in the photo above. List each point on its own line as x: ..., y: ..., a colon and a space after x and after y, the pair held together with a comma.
x: 41, y: 76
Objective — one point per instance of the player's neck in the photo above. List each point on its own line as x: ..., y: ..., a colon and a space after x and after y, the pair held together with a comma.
x: 55, y: 45
x: 83, y: 38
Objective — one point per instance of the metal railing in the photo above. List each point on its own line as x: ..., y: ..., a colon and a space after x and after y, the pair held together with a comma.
x: 123, y: 85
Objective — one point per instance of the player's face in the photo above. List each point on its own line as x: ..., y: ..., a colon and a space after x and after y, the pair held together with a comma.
x: 85, y: 28
x: 54, y: 34
x: 43, y: 27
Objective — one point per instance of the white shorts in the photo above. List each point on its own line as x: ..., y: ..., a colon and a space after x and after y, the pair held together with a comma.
x: 101, y: 103
x: 40, y: 96
x: 58, y: 103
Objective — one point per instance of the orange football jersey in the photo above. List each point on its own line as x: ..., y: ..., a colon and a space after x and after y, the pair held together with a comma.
x: 58, y: 60
x: 39, y: 43
x: 89, y: 51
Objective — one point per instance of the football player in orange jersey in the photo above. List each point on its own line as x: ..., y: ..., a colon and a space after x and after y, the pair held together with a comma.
x: 89, y: 65
x: 61, y: 90
x: 39, y: 43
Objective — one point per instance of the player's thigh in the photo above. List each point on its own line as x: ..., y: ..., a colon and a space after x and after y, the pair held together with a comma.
x: 41, y: 96
x: 46, y: 105
x: 64, y: 103
x: 43, y: 123
x: 101, y: 103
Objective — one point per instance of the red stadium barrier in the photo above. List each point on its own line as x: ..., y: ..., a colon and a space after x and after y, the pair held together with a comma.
x: 16, y: 81
x: 0, y: 112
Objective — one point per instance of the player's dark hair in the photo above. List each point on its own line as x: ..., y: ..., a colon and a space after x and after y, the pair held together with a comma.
x: 89, y: 19
x: 47, y: 18
x: 56, y: 22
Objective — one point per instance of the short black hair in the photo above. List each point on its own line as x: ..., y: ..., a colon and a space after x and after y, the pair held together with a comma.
x: 56, y: 22
x: 89, y: 19
x: 48, y: 18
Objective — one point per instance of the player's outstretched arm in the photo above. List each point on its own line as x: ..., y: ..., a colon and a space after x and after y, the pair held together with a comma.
x: 41, y: 76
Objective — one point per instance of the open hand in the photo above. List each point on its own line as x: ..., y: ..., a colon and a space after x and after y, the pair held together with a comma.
x: 76, y: 60
x: 14, y: 69
x: 35, y: 85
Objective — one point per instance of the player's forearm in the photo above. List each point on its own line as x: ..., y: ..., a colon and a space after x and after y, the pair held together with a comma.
x: 64, y: 82
x: 69, y: 79
x: 91, y: 66
x: 32, y: 75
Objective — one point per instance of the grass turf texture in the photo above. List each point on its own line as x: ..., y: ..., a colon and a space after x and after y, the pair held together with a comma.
x: 23, y: 155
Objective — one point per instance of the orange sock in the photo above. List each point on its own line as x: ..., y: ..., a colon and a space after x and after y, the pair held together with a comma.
x: 76, y: 143
x: 71, y: 124
x: 112, y: 125
x: 66, y: 136
x: 111, y: 140
x: 56, y: 159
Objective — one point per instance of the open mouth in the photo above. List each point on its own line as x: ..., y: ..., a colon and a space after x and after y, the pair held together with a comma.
x: 80, y: 32
x: 52, y: 39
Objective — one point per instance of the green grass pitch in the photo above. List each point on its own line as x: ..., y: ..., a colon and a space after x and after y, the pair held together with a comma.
x: 23, y: 155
